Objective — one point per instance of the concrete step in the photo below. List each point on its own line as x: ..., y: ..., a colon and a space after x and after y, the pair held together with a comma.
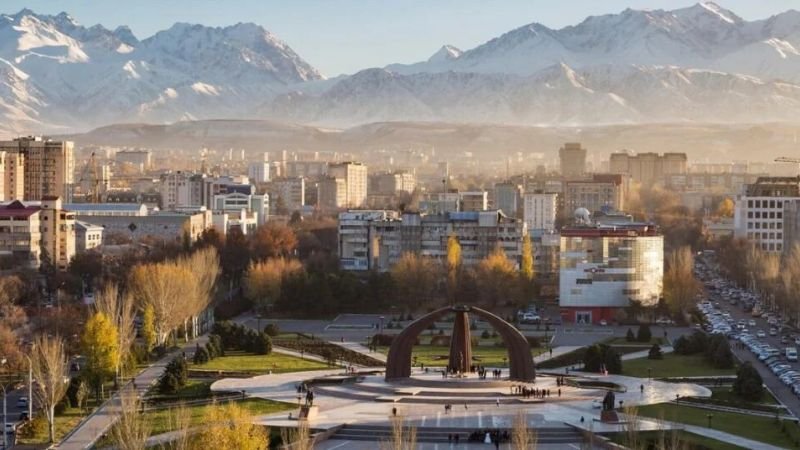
x: 373, y: 433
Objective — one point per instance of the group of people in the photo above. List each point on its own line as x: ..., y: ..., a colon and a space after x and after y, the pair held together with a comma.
x: 560, y: 380
x: 527, y: 392
x: 482, y: 372
x: 453, y: 438
x: 490, y: 436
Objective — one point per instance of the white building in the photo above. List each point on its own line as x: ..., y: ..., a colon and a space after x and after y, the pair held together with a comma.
x: 540, y: 210
x: 258, y: 172
x: 604, y: 268
x: 87, y: 236
x: 257, y: 205
x: 369, y: 240
x: 759, y: 211
x: 354, y: 175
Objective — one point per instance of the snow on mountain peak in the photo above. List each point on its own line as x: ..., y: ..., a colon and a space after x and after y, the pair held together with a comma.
x: 446, y: 53
x: 722, y: 13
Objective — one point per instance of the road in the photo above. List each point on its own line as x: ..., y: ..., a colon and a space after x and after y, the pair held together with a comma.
x: 781, y: 391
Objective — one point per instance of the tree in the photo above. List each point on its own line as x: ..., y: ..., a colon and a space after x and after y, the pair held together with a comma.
x: 600, y: 356
x: 415, y: 278
x: 149, y: 328
x: 231, y: 426
x: 273, y: 240
x: 644, y: 334
x: 272, y: 329
x: 130, y: 431
x: 526, y: 264
x: 49, y: 368
x: 655, y: 352
x: 264, y: 280
x: 453, y: 266
x: 523, y: 437
x: 680, y: 284
x: 100, y: 346
x: 235, y: 256
x: 748, y: 384
x: 629, y: 336
x: 496, y: 277
x: 122, y: 312
x: 263, y: 344
x: 726, y: 207
x: 159, y: 285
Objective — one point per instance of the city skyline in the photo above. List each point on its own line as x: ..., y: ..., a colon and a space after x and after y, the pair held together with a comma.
x: 358, y: 36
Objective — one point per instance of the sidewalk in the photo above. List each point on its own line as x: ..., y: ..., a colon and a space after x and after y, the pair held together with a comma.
x: 557, y: 351
x: 358, y: 348
x: 100, y: 421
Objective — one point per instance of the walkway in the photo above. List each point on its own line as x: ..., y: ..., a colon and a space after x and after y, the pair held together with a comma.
x: 100, y: 421
x: 557, y: 351
x: 358, y: 348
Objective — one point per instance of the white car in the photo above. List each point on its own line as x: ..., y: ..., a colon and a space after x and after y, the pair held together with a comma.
x: 751, y: 323
x: 761, y: 334
x: 10, y: 428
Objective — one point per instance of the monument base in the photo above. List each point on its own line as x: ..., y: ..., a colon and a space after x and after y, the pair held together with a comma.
x: 308, y: 412
x: 609, y: 417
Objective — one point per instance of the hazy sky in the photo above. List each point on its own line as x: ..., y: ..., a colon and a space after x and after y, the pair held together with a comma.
x: 344, y: 36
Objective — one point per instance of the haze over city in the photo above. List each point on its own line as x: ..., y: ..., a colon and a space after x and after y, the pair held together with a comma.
x: 410, y: 225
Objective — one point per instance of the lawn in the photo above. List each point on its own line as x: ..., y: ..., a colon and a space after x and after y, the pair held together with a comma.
x: 684, y: 438
x: 673, y: 365
x: 622, y: 340
x: 437, y: 355
x: 193, y: 389
x: 762, y: 429
x: 725, y: 394
x: 245, y: 362
x: 65, y: 422
x: 161, y: 421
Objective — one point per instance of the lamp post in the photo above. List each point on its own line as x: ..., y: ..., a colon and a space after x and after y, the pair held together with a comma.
x: 709, y: 417
x: 5, y: 396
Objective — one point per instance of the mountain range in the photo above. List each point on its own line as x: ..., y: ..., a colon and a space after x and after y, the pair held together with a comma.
x: 697, y: 64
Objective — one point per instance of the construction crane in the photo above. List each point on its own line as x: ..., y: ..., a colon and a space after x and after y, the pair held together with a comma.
x: 89, y: 174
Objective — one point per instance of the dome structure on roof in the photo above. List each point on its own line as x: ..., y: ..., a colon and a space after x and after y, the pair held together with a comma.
x: 583, y: 216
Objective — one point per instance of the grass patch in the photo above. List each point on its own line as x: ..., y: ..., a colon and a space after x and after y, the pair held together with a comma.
x: 160, y: 421
x: 65, y: 422
x: 673, y: 365
x: 725, y: 394
x: 193, y: 389
x: 622, y: 340
x: 245, y: 362
x: 762, y: 429
x: 685, y: 440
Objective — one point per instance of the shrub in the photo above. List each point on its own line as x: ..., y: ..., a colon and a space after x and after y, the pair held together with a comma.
x: 272, y: 330
x: 201, y: 356
x: 35, y: 427
x: 216, y: 341
x: 644, y: 334
x: 263, y: 344
x: 722, y: 357
x: 168, y: 384
x: 748, y: 385
x: 629, y: 336
x: 601, y: 355
x: 409, y: 317
x: 534, y: 341
x: 655, y: 352
x: 486, y: 334
x: 211, y: 349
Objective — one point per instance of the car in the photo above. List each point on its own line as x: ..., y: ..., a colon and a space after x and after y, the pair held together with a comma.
x: 773, y: 332
x: 665, y: 321
x: 22, y: 402
x: 10, y: 428
x: 603, y: 322
x: 751, y: 323
x: 761, y: 334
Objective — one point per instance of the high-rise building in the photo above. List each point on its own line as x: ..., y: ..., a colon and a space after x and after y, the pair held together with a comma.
x: 58, y: 232
x: 288, y: 194
x: 601, y: 192
x: 759, y: 211
x: 331, y: 193
x: 354, y: 175
x: 181, y: 190
x: 48, y: 167
x: 141, y: 160
x: 258, y: 172
x: 392, y: 182
x: 507, y: 198
x: 604, y: 268
x: 540, y: 211
x: 474, y: 201
x: 648, y: 168
x: 573, y: 160
x: 13, y: 175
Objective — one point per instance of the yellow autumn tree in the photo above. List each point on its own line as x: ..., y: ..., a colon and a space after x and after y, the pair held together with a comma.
x: 453, y: 266
x: 231, y: 426
x: 100, y: 347
x: 264, y: 280
x: 725, y: 208
x: 415, y: 278
x: 526, y: 265
x: 496, y: 276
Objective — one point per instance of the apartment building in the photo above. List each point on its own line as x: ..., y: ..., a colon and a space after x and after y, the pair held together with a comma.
x: 354, y: 175
x: 331, y: 193
x: 28, y: 231
x: 142, y: 160
x: 87, y: 236
x: 474, y: 201
x: 759, y: 211
x: 258, y: 172
x: 287, y: 193
x: 572, y: 157
x: 539, y: 211
x: 48, y: 168
x: 392, y: 183
x: 508, y: 198
x: 254, y: 204
x: 648, y: 168
x: 369, y: 240
x: 600, y: 192
x: 13, y: 175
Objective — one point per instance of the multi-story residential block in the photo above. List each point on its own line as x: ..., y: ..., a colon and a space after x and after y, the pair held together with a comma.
x: 369, y: 240
x: 87, y: 236
x: 332, y: 193
x: 392, y: 183
x: 288, y: 194
x: 604, y: 268
x: 508, y: 198
x: 573, y: 160
x: 354, y: 175
x: 58, y: 232
x: 540, y: 210
x: 474, y: 201
x: 440, y: 202
x: 181, y: 190
x: 21, y: 234
x: 48, y: 167
x: 760, y: 208
x: 375, y: 240
x: 140, y: 159
x: 601, y: 192
x: 255, y: 205
x: 13, y: 175
x: 648, y: 168
x: 258, y: 172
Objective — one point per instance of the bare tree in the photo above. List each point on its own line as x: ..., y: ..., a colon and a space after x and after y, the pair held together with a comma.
x: 49, y: 367
x: 680, y: 284
x: 162, y: 286
x: 403, y: 437
x: 631, y: 428
x: 299, y: 438
x: 522, y: 437
x: 181, y: 421
x: 130, y: 430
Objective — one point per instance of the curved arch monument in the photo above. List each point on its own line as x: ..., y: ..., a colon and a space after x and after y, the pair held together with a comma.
x: 521, y: 368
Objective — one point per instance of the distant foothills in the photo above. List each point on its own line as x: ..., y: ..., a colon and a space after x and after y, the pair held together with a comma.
x: 701, y: 64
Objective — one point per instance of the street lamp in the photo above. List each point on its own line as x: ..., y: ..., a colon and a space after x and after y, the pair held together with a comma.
x: 709, y: 417
x: 5, y: 396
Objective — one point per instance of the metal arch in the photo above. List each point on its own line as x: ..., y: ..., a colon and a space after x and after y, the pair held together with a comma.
x: 398, y: 362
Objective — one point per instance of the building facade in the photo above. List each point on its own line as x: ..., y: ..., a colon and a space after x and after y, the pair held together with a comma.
x: 354, y: 175
x: 759, y: 211
x: 605, y: 268
x: 369, y: 240
x: 87, y: 236
x: 540, y: 211
x: 48, y: 167
x: 601, y: 192
x: 648, y: 168
x: 572, y: 157
x: 288, y: 193
x: 508, y: 198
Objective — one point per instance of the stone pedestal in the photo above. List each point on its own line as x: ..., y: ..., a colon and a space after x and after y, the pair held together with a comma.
x: 308, y: 412
x: 609, y: 417
x: 460, y: 342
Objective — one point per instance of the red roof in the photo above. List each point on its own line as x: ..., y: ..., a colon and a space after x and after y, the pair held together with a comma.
x: 17, y: 209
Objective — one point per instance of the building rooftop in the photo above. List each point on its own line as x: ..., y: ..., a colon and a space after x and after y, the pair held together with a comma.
x: 78, y: 207
x: 17, y: 210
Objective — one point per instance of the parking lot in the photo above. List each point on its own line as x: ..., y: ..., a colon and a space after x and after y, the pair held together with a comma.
x: 757, y: 336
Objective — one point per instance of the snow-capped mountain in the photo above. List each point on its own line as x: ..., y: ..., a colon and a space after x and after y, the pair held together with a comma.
x: 55, y: 72
x: 701, y: 63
